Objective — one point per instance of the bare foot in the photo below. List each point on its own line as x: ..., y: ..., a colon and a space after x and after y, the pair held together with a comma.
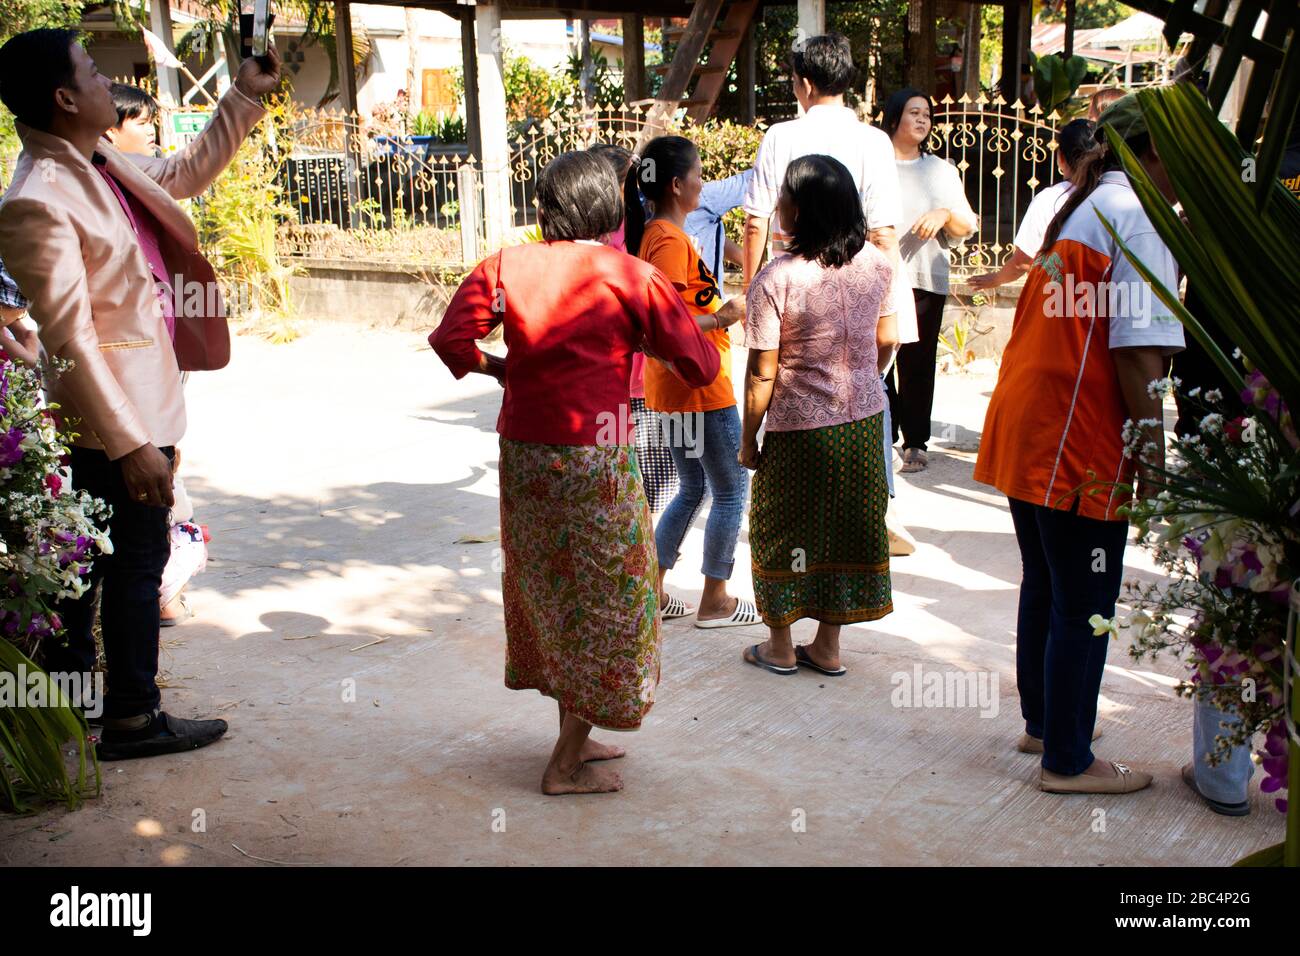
x: 595, y: 750
x: 586, y: 779
x: 715, y: 612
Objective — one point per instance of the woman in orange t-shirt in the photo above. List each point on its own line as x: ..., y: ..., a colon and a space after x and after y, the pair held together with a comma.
x: 700, y: 425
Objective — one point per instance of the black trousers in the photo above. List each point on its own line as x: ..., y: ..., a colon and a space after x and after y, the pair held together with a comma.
x: 1059, y: 661
x: 129, y: 580
x: 911, y: 400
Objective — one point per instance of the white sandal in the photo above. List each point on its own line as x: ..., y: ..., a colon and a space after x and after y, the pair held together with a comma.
x: 675, y: 607
x: 744, y: 615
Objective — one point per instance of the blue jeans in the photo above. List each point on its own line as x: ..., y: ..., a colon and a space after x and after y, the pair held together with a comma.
x: 1072, y: 568
x: 889, y: 449
x: 1226, y: 783
x: 706, y: 457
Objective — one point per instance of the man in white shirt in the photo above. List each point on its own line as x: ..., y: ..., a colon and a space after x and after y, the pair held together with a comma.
x: 823, y: 71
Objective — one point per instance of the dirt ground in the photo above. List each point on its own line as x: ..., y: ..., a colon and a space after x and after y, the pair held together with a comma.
x: 343, y: 477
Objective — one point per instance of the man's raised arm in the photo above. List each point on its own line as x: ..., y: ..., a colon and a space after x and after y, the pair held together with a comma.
x: 190, y: 171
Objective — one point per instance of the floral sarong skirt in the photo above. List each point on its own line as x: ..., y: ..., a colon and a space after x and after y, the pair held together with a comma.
x: 581, y: 609
x: 817, y: 525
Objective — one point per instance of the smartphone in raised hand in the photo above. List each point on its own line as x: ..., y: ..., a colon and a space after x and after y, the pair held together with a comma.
x: 255, y: 21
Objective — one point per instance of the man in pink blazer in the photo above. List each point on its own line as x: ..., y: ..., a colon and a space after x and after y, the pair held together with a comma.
x: 118, y: 287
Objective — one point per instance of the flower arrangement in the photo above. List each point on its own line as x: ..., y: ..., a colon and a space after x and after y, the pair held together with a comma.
x: 1229, y: 501
x: 47, y: 530
x: 48, y: 537
x: 1220, y: 519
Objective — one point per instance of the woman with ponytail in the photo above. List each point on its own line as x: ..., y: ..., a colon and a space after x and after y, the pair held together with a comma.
x: 1089, y: 337
x: 1074, y: 143
x: 702, y: 423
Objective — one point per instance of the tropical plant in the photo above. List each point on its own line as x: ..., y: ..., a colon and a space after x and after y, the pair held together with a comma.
x: 531, y: 91
x: 238, y: 219
x: 1230, y: 498
x: 726, y: 148
x: 1056, y: 79
x: 48, y: 537
x: 1088, y: 15
x: 956, y: 342
x: 440, y: 128
x: 23, y: 15
x: 20, y: 16
x: 606, y: 87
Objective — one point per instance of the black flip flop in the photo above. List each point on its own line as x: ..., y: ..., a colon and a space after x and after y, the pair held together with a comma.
x: 768, y: 665
x: 803, y: 660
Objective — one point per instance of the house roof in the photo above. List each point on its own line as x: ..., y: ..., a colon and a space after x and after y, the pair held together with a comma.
x: 1114, y: 44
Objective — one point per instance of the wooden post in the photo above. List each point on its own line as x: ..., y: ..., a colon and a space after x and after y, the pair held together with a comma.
x: 812, y: 18
x: 354, y: 169
x: 971, y: 52
x: 634, y: 84
x: 469, y: 70
x: 747, y: 77
x: 414, y: 92
x: 468, y: 214
x: 1069, y: 29
x: 492, y: 123
x: 588, y: 66
x: 923, y: 43
x: 343, y: 50
x: 1011, y: 55
x: 160, y: 23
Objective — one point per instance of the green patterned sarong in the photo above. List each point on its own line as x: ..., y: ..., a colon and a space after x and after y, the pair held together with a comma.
x: 817, y: 525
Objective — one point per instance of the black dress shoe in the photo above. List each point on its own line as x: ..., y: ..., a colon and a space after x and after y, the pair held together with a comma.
x: 164, y: 734
x: 1226, y: 809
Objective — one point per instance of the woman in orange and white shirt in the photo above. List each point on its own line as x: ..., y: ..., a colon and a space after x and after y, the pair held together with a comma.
x: 1089, y: 338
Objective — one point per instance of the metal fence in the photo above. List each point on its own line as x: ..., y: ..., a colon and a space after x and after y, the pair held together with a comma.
x: 403, y: 191
x: 340, y: 173
x: 1006, y: 154
x: 539, y: 143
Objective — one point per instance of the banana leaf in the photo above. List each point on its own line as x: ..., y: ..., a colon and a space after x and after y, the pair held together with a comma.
x: 32, y: 765
x: 1241, y: 261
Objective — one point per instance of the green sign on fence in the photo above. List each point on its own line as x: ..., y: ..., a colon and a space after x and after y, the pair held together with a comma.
x: 189, y: 124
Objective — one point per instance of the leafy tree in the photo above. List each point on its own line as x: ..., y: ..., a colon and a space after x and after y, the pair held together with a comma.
x: 1089, y: 14
x: 23, y: 15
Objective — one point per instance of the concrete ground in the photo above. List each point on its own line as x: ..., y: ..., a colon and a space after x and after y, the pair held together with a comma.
x: 344, y: 477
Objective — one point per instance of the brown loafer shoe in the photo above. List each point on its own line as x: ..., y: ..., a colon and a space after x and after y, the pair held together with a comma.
x: 1034, y: 745
x: 1124, y: 781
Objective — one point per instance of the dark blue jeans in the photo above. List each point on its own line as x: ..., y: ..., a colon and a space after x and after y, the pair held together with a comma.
x: 706, y: 460
x: 129, y: 580
x: 1072, y: 570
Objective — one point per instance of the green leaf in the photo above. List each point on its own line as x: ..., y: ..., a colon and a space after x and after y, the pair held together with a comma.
x: 33, y: 769
x: 1239, y: 261
x: 1269, y: 856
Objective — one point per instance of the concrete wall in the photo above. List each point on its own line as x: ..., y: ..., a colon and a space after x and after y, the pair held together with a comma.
x: 387, y: 296
x: 371, y: 294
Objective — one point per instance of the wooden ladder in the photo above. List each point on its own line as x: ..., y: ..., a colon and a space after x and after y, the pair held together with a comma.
x: 703, y: 28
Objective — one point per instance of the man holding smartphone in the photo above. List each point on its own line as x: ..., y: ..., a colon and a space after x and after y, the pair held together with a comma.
x: 96, y: 240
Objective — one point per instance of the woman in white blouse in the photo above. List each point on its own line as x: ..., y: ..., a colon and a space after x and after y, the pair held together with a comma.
x: 935, y: 215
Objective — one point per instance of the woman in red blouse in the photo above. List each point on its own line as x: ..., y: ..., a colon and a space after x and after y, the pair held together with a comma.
x: 581, y: 606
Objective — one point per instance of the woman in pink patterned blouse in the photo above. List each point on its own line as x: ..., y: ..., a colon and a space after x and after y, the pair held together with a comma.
x: 817, y: 344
